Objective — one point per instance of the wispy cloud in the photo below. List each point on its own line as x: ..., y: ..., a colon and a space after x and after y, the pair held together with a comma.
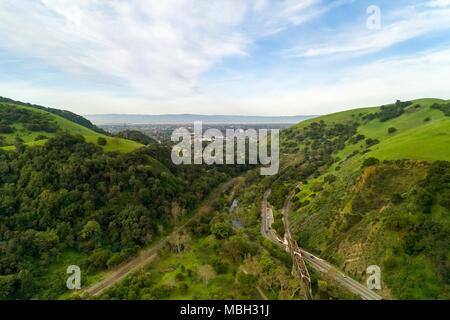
x: 406, y: 24
x: 424, y: 74
x: 172, y: 56
x: 156, y: 48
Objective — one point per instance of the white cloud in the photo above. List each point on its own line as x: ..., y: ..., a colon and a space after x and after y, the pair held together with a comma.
x: 408, y: 24
x: 162, y: 48
x: 420, y: 76
x: 438, y: 3
x: 157, y: 48
x: 424, y: 75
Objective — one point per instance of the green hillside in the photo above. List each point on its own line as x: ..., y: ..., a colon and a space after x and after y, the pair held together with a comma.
x: 374, y: 189
x: 22, y: 128
x: 416, y: 128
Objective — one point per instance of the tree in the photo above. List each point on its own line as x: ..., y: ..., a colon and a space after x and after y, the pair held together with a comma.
x: 370, y: 162
x: 206, y: 272
x: 221, y: 230
x: 180, y: 242
x: 98, y: 259
x: 91, y: 230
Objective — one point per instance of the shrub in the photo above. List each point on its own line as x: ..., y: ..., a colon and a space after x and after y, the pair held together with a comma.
x: 396, y: 198
x: 221, y: 230
x: 101, y: 141
x: 371, y: 142
x: 330, y: 178
x: 40, y: 137
x: 392, y: 130
x: 6, y: 129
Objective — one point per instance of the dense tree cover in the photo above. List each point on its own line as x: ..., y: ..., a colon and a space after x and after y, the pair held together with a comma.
x: 32, y: 121
x: 389, y: 112
x: 62, y: 113
x: 221, y: 261
x: 70, y: 195
x: 137, y: 136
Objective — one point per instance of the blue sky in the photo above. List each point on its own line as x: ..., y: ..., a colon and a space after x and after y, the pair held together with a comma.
x: 266, y: 57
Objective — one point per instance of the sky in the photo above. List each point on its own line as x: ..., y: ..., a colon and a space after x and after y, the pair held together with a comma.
x: 243, y: 57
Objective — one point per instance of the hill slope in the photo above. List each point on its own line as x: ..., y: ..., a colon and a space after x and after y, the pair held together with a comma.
x: 33, y: 126
x: 374, y: 190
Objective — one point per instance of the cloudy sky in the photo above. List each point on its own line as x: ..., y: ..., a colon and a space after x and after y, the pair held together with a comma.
x: 265, y: 57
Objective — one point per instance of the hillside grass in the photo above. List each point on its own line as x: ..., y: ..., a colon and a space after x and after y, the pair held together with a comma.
x: 113, y: 143
x: 347, y: 221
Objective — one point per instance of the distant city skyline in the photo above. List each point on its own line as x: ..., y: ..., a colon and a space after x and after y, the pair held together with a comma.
x: 243, y: 57
x: 106, y: 119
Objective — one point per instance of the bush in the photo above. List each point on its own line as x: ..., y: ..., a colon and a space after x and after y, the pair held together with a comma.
x: 40, y: 137
x: 396, y: 198
x: 98, y: 259
x: 330, y: 178
x: 101, y: 141
x: 392, y: 130
x: 371, y: 142
x: 222, y: 230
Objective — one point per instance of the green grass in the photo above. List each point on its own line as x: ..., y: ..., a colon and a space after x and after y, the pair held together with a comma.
x: 415, y: 139
x: 339, y: 117
x: 113, y: 143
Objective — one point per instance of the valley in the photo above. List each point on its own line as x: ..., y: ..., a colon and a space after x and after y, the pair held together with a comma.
x: 358, y: 188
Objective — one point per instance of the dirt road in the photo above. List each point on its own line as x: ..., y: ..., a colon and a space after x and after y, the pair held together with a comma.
x: 148, y: 255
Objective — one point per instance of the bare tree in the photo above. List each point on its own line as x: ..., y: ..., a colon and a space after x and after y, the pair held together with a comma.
x: 206, y: 272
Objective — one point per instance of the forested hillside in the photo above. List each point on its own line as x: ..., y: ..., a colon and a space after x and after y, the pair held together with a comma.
x: 69, y: 197
x: 65, y: 199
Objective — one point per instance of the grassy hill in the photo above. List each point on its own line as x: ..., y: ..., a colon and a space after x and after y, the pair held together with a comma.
x: 21, y: 130
x: 416, y: 128
x: 374, y: 190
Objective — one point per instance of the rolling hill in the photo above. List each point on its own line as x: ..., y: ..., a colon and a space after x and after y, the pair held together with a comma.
x: 32, y: 125
x: 374, y: 189
x: 415, y: 129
